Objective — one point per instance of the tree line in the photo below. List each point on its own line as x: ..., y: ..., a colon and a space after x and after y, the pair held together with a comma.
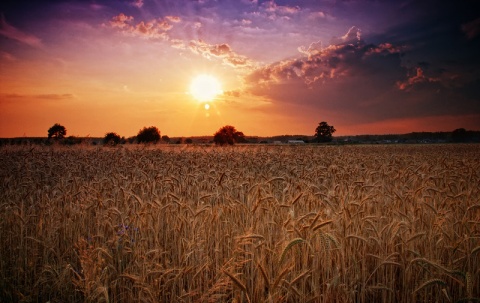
x: 226, y: 135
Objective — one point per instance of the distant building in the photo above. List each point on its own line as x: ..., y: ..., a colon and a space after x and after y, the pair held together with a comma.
x: 296, y: 142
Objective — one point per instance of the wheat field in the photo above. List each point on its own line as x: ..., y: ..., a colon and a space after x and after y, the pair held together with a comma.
x: 386, y: 223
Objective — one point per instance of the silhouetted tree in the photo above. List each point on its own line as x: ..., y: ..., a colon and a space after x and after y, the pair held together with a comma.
x: 460, y: 135
x: 111, y: 138
x: 323, y: 132
x: 57, y: 131
x: 148, y: 134
x: 188, y: 141
x: 228, y: 135
x: 166, y: 139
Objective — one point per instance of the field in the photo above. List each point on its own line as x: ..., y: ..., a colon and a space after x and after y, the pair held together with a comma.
x: 386, y: 223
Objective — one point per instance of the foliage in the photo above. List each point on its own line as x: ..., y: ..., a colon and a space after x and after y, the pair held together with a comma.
x: 111, y: 138
x: 459, y: 135
x: 57, y: 131
x: 228, y: 135
x: 166, y: 139
x: 148, y: 135
x: 323, y: 132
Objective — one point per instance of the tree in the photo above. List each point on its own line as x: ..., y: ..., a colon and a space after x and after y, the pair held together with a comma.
x: 148, y: 134
x: 323, y: 132
x: 460, y: 135
x: 111, y: 139
x: 166, y: 139
x: 228, y: 135
x: 57, y: 131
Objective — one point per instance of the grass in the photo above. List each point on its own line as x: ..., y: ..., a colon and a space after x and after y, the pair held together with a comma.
x: 240, y: 224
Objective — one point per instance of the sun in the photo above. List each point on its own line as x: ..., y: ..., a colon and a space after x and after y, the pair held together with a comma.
x: 205, y: 88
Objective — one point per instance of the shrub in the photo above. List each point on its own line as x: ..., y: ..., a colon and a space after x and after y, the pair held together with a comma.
x: 148, y: 135
x: 228, y: 135
x: 111, y: 139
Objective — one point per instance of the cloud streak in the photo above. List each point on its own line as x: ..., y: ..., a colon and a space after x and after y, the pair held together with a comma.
x: 41, y: 96
x: 221, y: 51
x: 14, y: 33
x: 415, y: 80
x: 158, y: 28
x: 319, y: 65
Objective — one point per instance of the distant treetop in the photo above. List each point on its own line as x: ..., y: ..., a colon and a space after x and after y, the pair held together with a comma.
x: 57, y: 131
x: 148, y: 135
x: 323, y: 132
x: 228, y: 135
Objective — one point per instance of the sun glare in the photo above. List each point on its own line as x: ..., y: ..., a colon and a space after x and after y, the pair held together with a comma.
x: 205, y: 88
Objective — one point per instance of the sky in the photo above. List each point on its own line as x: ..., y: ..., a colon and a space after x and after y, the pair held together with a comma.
x: 363, y: 66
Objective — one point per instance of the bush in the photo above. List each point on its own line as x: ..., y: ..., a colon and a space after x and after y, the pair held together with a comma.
x: 148, y: 135
x: 166, y: 139
x: 111, y: 139
x: 228, y: 135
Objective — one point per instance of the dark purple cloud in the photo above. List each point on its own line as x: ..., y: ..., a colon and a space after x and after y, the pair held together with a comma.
x: 362, y: 82
x: 350, y: 56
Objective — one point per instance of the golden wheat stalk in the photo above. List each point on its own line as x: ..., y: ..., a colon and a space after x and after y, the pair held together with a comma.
x: 289, y: 246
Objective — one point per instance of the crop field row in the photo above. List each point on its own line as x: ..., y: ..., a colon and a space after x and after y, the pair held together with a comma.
x: 240, y: 224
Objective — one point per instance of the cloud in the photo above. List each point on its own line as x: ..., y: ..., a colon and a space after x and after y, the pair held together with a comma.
x: 177, y: 43
x: 222, y: 51
x: 341, y: 80
x: 159, y: 28
x: 54, y: 96
x: 472, y: 29
x: 137, y: 3
x: 7, y: 56
x: 246, y: 21
x: 13, y: 33
x: 233, y: 93
x: 96, y: 7
x: 272, y: 11
x: 320, y: 65
x: 174, y: 19
x: 415, y: 80
x: 152, y: 29
x: 353, y: 36
x: 41, y: 96
x: 155, y: 28
x: 317, y: 14
x: 386, y: 48
x: 313, y: 49
x: 272, y: 7
x: 121, y: 21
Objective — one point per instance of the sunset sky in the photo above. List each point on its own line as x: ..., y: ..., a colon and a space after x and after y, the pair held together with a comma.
x: 365, y: 67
